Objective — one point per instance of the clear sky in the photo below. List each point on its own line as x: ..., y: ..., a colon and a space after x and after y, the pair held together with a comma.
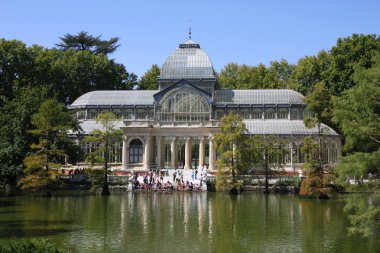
x: 249, y: 32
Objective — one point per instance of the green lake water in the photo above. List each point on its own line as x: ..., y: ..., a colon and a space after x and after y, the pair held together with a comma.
x: 182, y: 222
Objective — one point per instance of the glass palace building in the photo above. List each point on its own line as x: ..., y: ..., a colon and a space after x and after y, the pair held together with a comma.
x: 174, y: 126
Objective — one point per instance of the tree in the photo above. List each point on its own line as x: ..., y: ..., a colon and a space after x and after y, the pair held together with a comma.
x: 266, y: 153
x: 350, y: 52
x: 228, y: 76
x: 86, y: 42
x: 230, y: 143
x: 319, y: 104
x: 69, y: 73
x: 15, y: 140
x: 309, y: 71
x: 279, y: 74
x: 149, y: 80
x: 235, y: 76
x: 15, y: 63
x: 105, y: 137
x: 51, y: 124
x: 357, y: 112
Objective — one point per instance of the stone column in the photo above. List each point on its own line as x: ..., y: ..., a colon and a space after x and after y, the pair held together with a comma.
x: 174, y: 153
x: 147, y: 152
x: 188, y: 153
x: 211, y: 153
x: 125, y: 153
x: 160, y: 151
x: 201, y: 152
x: 292, y: 158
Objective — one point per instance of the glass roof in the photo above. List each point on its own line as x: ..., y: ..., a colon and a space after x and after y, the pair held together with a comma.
x: 260, y: 127
x: 258, y: 97
x: 90, y: 125
x: 284, y: 127
x: 188, y: 61
x: 221, y: 97
x: 118, y: 97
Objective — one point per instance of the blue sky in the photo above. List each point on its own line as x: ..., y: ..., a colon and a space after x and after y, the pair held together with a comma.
x: 249, y: 32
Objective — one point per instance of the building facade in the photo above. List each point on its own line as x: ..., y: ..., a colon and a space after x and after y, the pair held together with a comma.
x: 174, y: 126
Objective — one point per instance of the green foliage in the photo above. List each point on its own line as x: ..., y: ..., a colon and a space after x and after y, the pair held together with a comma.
x: 149, y: 80
x: 86, y: 42
x: 211, y: 185
x: 309, y: 71
x: 230, y: 143
x: 105, y: 136
x: 266, y: 154
x: 319, y: 103
x: 357, y: 112
x: 235, y: 76
x: 68, y: 73
x: 350, y: 52
x: 51, y: 124
x: 95, y: 176
x: 364, y: 215
x: 15, y: 140
x: 30, y: 246
x: 359, y: 165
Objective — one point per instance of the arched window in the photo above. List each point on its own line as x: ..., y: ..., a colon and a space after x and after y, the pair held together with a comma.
x: 295, y: 114
x: 244, y: 113
x: 257, y: 113
x: 150, y: 114
x: 231, y: 111
x: 282, y: 113
x: 333, y: 152
x: 81, y: 114
x: 135, y: 151
x: 183, y: 106
x: 270, y: 113
x: 129, y: 114
x: 104, y: 111
x: 218, y: 114
x: 92, y: 114
x: 117, y: 113
x: 141, y: 114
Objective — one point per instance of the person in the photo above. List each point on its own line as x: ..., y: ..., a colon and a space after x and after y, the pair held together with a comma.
x: 196, y: 173
x: 192, y: 174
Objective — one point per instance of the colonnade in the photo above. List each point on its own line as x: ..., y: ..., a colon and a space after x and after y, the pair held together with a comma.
x: 154, y: 151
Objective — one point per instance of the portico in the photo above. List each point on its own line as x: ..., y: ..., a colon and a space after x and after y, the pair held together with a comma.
x: 168, y: 146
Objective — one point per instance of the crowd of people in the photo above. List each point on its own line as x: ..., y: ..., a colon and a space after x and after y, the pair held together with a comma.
x: 155, y: 180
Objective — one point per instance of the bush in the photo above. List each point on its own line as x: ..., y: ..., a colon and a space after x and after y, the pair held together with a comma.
x: 314, y: 187
x: 30, y: 246
x: 211, y: 185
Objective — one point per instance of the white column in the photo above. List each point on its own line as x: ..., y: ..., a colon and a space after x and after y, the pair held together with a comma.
x: 125, y: 153
x: 174, y: 153
x: 211, y: 153
x: 160, y: 151
x: 292, y: 158
x: 188, y: 153
x: 147, y: 152
x: 201, y: 152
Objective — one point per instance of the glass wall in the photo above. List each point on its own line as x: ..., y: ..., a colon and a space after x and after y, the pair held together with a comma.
x: 183, y: 106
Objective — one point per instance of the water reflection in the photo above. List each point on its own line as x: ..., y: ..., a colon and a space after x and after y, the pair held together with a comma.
x: 182, y: 222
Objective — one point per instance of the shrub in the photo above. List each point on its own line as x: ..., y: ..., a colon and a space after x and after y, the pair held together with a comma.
x: 211, y: 185
x: 30, y: 246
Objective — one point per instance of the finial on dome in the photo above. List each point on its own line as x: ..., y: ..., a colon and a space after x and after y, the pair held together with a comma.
x: 189, y: 29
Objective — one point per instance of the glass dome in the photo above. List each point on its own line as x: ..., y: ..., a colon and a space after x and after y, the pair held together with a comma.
x: 189, y: 61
